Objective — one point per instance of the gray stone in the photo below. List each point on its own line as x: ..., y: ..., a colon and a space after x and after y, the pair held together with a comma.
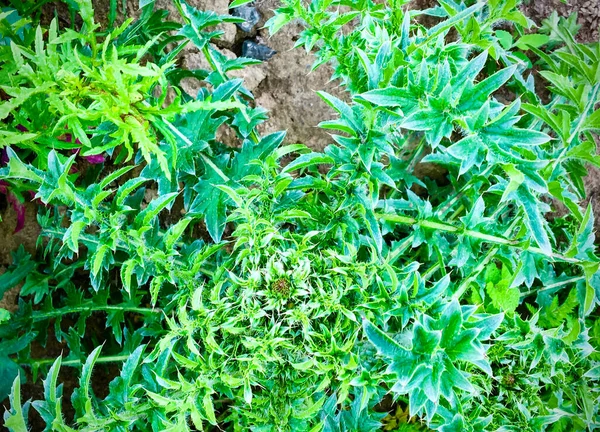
x: 257, y: 51
x: 250, y: 15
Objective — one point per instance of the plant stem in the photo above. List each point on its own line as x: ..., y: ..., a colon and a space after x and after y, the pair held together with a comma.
x: 488, y: 257
x: 590, y: 105
x: 214, y: 65
x: 36, y: 363
x: 101, y: 308
x: 444, y: 207
x: 440, y: 226
x: 554, y: 285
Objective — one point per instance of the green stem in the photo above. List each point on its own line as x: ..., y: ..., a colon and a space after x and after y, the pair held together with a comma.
x: 488, y: 238
x: 400, y: 249
x: 457, y: 212
x: 29, y: 12
x: 416, y: 157
x: 36, y: 363
x: 180, y: 10
x: 554, y: 286
x: 80, y: 309
x: 488, y: 257
x: 444, y: 207
x: 590, y: 105
x: 430, y: 271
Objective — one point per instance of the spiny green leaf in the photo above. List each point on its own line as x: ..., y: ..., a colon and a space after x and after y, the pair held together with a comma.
x: 531, y: 40
x: 9, y: 373
x: 384, y: 344
x: 307, y: 160
x: 238, y: 3
x: 14, y: 419
x: 503, y: 297
x: 154, y: 208
x: 534, y: 219
x: 389, y: 97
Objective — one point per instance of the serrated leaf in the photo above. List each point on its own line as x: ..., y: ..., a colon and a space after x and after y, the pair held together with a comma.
x: 14, y: 419
x: 238, y: 3
x: 423, y: 120
x: 592, y: 122
x: 307, y: 160
x: 154, y: 208
x: 277, y: 21
x: 505, y: 39
x: 82, y: 399
x: 384, y: 344
x: 342, y: 108
x: 534, y: 219
x: 389, y: 97
x: 532, y: 40
x: 98, y: 259
x: 425, y: 341
x: 503, y: 297
x: 485, y: 88
x: 445, y: 25
x: 13, y: 277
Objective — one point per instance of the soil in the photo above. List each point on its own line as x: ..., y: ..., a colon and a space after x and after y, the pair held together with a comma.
x: 10, y: 241
x: 588, y: 14
x: 285, y: 86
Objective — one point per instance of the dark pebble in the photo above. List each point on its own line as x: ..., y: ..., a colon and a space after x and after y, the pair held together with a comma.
x: 257, y: 51
x: 250, y: 14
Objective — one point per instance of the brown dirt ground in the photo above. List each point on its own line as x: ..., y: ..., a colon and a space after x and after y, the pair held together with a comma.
x: 588, y: 14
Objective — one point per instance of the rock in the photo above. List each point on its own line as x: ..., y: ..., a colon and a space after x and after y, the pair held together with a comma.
x: 257, y: 51
x: 252, y: 75
x: 227, y: 39
x: 250, y: 14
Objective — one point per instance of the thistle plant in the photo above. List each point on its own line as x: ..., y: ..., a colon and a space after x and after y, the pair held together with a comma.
x: 339, y: 291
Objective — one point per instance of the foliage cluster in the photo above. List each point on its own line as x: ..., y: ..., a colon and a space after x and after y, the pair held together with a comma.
x: 327, y: 292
